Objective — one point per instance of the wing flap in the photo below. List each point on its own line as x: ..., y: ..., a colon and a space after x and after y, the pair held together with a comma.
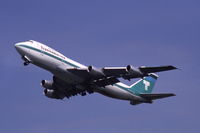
x: 101, y: 81
x: 105, y: 82
x: 82, y: 72
x: 115, y: 71
x: 67, y: 89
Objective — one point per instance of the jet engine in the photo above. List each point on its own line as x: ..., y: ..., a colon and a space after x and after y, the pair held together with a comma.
x: 47, y: 84
x: 95, y: 73
x: 134, y: 71
x: 52, y: 94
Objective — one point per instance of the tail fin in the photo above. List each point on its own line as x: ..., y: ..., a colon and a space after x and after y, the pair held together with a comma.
x: 144, y: 85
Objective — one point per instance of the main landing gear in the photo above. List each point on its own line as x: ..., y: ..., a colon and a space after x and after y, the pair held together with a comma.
x: 26, y: 60
x: 83, y: 93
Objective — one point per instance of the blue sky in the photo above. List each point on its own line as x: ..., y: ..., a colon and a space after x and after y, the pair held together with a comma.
x: 101, y: 33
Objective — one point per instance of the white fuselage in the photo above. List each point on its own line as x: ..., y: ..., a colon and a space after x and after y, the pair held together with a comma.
x: 55, y: 62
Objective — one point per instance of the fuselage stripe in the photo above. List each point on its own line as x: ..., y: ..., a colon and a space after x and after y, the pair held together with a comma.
x: 50, y: 55
x: 124, y: 88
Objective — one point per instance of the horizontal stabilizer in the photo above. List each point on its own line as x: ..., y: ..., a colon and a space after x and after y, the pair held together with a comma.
x: 156, y: 96
x: 156, y: 69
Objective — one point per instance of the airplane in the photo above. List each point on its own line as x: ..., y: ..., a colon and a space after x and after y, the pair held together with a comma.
x: 71, y: 78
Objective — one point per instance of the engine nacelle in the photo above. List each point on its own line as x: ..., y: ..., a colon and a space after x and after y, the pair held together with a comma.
x: 52, y: 94
x: 47, y: 84
x: 134, y: 71
x: 95, y: 73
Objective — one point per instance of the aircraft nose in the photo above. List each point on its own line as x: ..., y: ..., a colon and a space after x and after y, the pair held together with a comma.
x: 16, y: 45
x: 19, y: 48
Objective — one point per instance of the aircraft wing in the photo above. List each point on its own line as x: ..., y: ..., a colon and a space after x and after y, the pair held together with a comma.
x: 156, y: 96
x: 94, y: 77
x: 109, y: 75
x: 106, y: 81
x: 66, y: 89
x: 144, y: 71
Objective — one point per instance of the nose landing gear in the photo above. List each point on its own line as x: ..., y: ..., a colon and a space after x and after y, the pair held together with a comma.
x: 26, y: 63
x: 26, y: 60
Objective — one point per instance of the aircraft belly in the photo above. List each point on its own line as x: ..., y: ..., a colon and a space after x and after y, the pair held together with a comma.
x: 115, y: 92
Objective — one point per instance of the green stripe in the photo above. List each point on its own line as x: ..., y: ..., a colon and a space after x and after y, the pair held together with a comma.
x: 50, y: 55
x: 125, y: 88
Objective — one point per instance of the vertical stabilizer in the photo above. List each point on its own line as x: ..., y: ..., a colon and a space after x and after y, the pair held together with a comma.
x: 144, y: 85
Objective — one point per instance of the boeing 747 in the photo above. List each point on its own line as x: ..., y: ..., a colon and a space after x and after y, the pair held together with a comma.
x: 71, y: 78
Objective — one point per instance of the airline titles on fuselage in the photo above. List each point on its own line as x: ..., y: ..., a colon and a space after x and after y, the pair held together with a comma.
x: 52, y: 52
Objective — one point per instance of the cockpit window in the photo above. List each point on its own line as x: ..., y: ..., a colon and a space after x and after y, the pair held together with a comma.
x: 30, y: 41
